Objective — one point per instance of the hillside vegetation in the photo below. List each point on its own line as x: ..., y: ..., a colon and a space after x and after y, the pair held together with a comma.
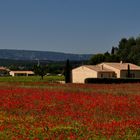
x: 41, y: 55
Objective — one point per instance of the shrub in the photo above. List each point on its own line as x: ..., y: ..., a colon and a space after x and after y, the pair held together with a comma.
x: 111, y: 80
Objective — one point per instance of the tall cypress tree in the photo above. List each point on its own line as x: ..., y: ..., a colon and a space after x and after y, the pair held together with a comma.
x: 67, y: 72
x: 113, y: 50
x: 128, y: 71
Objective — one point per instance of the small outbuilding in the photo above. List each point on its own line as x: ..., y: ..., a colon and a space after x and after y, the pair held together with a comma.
x: 21, y: 73
x: 4, y: 71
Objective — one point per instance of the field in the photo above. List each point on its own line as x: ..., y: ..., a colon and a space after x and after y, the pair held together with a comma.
x: 52, y: 111
x: 31, y: 79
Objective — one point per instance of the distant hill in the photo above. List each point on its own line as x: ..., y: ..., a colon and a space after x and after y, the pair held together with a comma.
x: 41, y: 55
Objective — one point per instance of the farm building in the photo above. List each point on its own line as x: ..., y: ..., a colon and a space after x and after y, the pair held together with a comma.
x: 21, y: 73
x: 4, y: 71
x: 105, y: 70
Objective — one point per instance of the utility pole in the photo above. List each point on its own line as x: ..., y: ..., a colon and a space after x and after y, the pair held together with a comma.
x: 38, y: 62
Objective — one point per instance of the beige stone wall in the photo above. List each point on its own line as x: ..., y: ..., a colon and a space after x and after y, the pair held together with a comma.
x: 11, y: 73
x: 81, y: 73
x: 106, y: 74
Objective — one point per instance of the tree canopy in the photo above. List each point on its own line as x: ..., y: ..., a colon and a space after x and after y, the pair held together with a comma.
x: 128, y: 50
x: 106, y: 57
x: 40, y: 70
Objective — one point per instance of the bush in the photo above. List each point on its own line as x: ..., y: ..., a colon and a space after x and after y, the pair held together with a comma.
x: 111, y: 80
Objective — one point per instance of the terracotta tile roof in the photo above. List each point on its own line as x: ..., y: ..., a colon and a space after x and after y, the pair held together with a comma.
x: 4, y: 68
x: 122, y: 66
x: 98, y: 68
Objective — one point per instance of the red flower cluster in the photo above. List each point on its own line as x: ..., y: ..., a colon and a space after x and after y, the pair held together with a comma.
x: 68, y: 112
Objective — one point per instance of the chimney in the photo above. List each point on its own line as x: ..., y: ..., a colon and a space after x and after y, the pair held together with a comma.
x: 102, y: 67
x: 121, y: 62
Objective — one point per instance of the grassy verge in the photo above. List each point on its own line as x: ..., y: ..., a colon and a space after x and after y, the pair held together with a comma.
x: 32, y: 79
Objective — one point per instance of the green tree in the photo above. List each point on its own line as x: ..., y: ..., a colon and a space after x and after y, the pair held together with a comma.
x: 106, y: 57
x: 134, y: 55
x: 114, y: 50
x: 111, y: 57
x: 40, y: 70
x: 128, y: 50
x: 96, y: 59
x: 125, y: 48
x: 122, y: 49
x: 138, y: 40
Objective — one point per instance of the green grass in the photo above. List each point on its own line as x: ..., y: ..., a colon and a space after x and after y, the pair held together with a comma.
x: 31, y: 79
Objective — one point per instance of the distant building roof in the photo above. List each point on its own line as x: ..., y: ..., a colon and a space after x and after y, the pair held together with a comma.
x: 20, y: 72
x: 4, y: 68
x: 122, y: 66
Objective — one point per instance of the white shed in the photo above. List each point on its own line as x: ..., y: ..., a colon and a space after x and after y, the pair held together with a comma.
x: 21, y: 73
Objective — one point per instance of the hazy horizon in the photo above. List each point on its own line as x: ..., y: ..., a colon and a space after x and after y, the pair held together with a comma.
x: 46, y: 51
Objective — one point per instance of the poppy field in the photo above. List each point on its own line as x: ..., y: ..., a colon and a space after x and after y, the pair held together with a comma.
x: 45, y: 111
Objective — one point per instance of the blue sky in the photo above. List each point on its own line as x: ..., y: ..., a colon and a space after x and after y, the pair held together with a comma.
x: 71, y: 26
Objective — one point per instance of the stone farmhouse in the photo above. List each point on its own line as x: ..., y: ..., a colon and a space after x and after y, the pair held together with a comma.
x: 105, y: 70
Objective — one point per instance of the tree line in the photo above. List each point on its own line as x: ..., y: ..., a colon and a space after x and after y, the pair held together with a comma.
x: 128, y: 50
x: 42, y: 71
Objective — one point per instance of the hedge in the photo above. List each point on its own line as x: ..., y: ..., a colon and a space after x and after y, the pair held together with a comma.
x: 112, y: 80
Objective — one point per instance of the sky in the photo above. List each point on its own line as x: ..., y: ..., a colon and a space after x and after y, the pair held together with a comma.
x: 69, y: 26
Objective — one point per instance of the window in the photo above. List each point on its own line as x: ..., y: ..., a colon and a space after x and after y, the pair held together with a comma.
x: 102, y: 75
x: 132, y: 75
x: 114, y: 75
